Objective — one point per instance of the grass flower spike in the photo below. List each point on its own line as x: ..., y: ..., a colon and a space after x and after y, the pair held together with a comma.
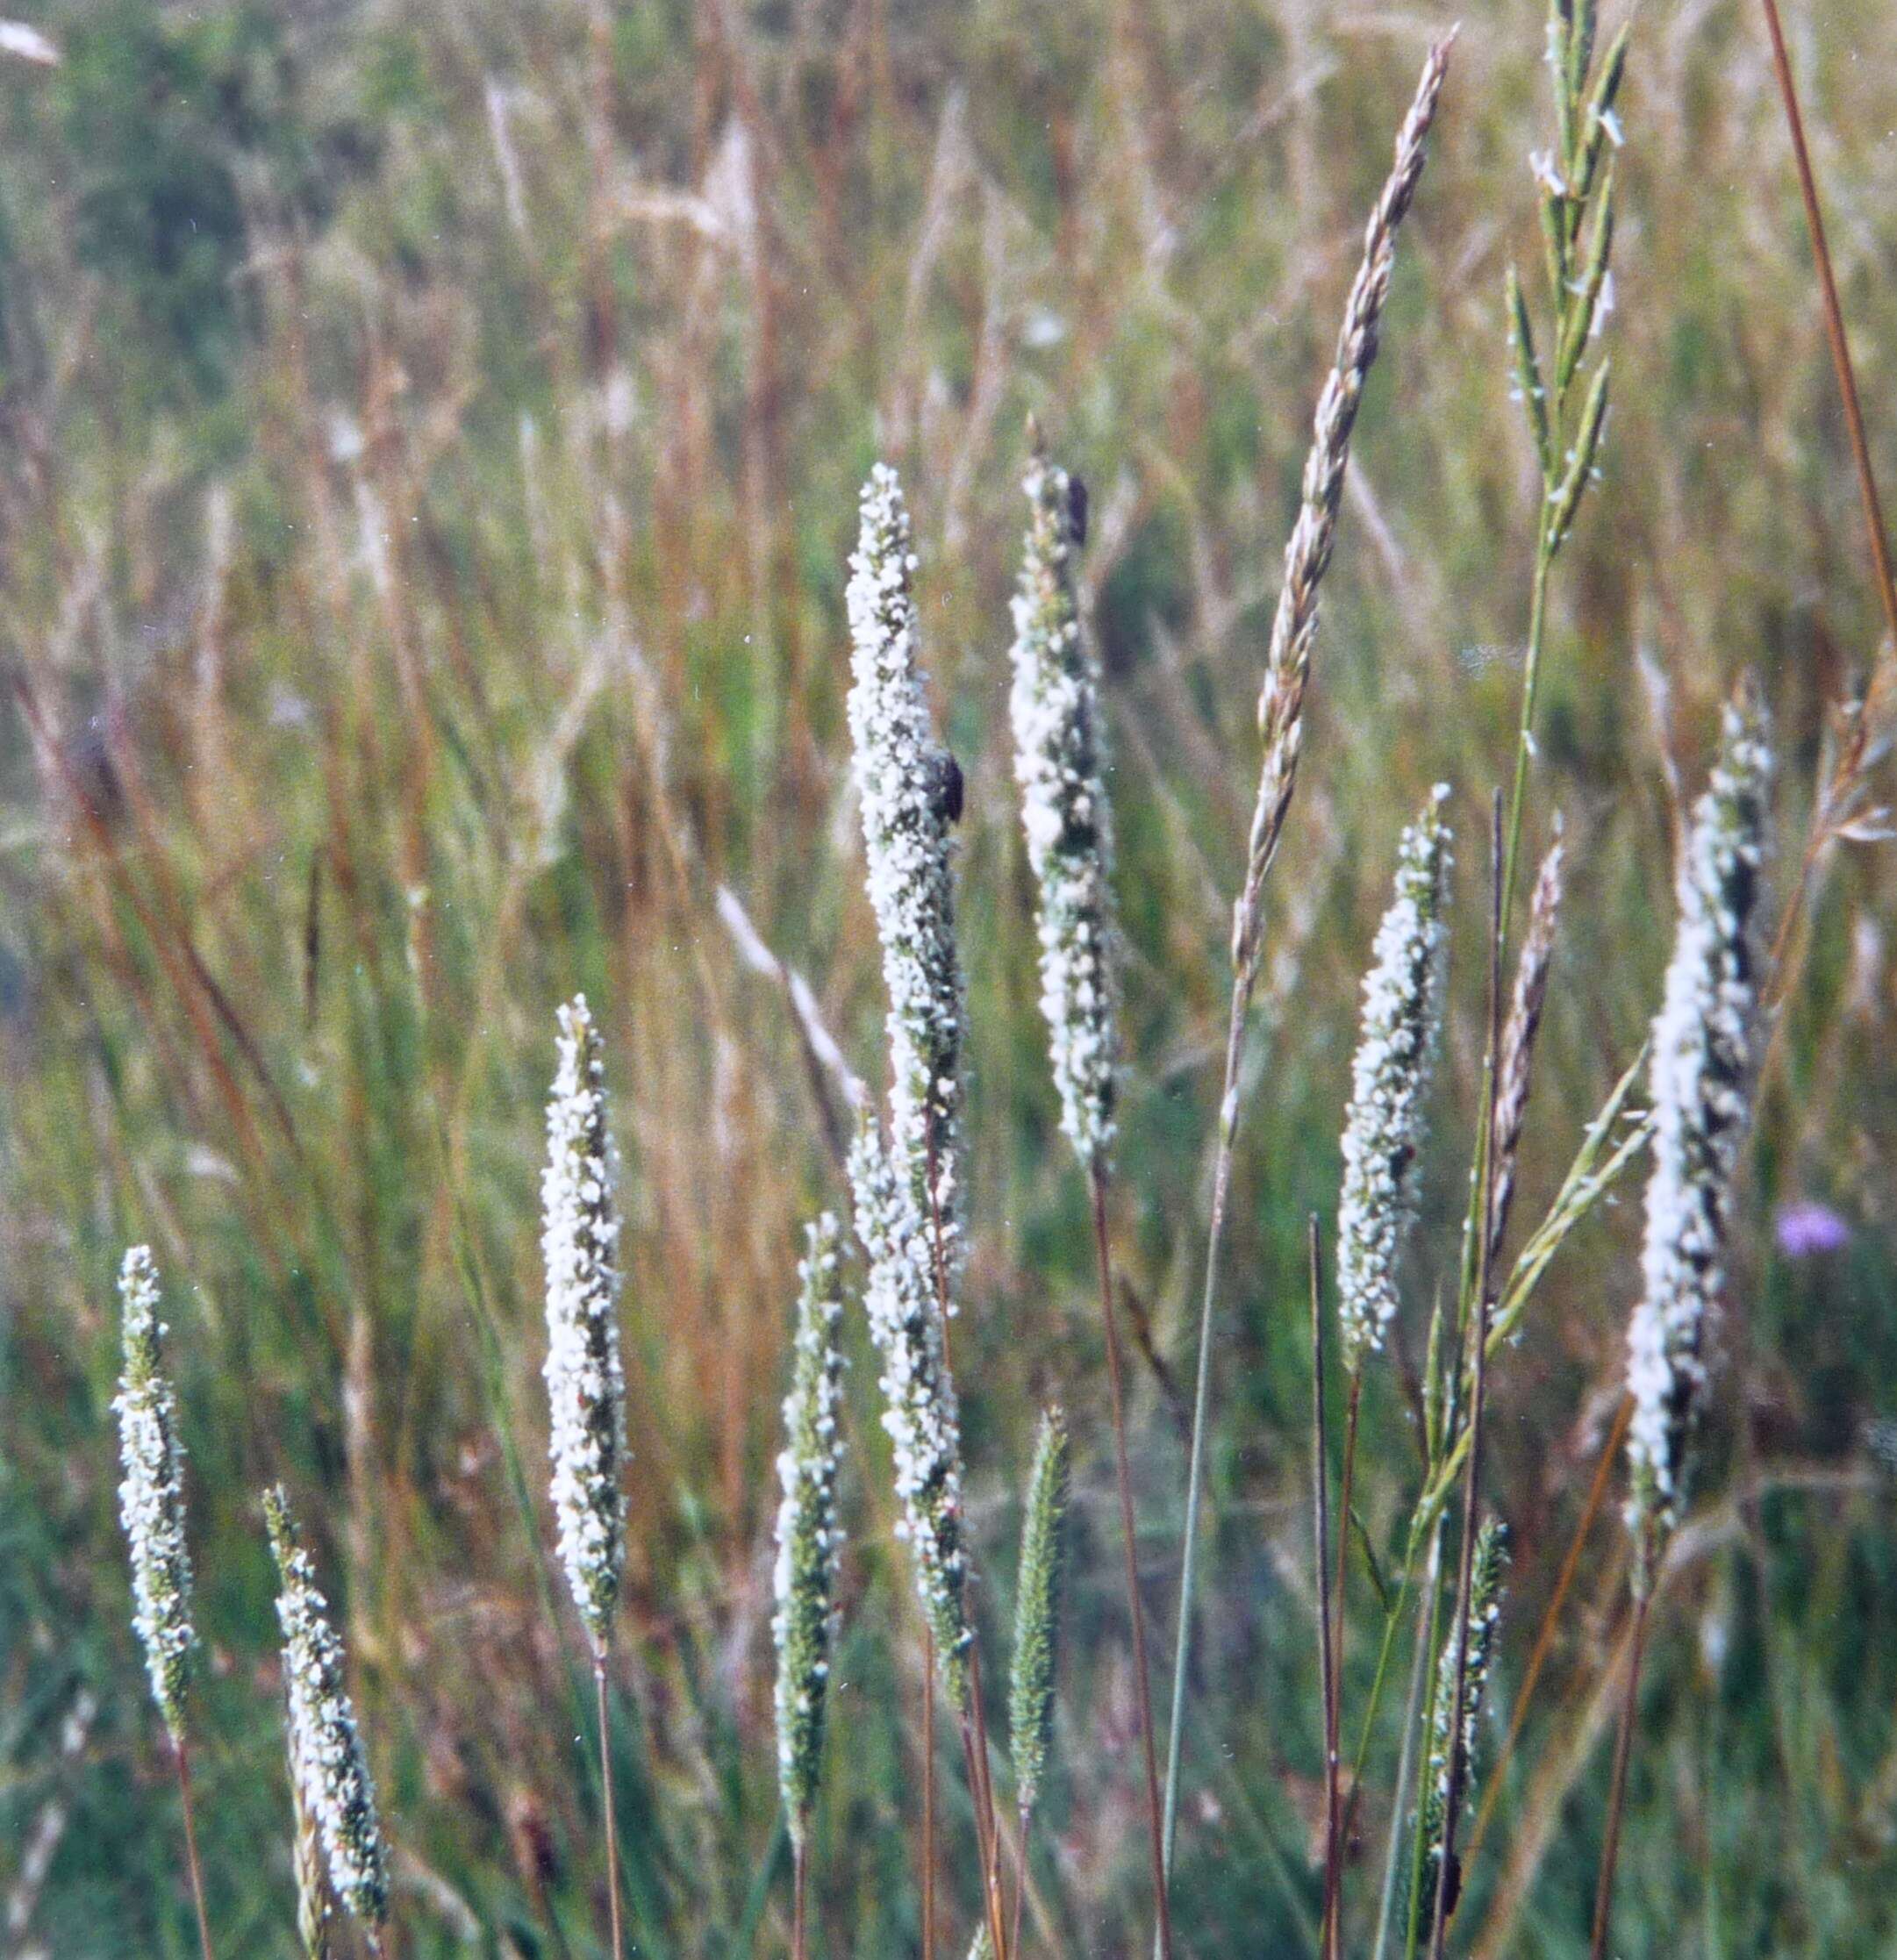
x: 151, y: 1498
x: 1390, y: 1078
x: 809, y: 1534
x: 325, y: 1747
x: 921, y: 1415
x: 910, y: 793
x: 1037, y: 1611
x: 1701, y: 1082
x: 1059, y: 760
x: 1485, y: 1621
x: 586, y: 1381
x: 1307, y: 552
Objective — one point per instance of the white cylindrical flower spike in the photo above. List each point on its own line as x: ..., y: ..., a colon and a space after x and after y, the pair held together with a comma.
x: 1389, y: 1082
x: 1059, y: 763
x: 911, y: 791
x: 585, y: 1380
x: 325, y: 1746
x: 921, y: 1413
x: 810, y: 1534
x: 1701, y: 1083
x: 151, y: 1497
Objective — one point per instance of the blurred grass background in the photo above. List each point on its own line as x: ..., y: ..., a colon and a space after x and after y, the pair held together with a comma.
x: 429, y: 436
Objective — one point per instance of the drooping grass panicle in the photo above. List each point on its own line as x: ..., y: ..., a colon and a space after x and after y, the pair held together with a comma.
x: 1037, y: 1611
x: 1514, y: 1070
x: 151, y: 1496
x: 585, y: 1378
x: 325, y: 1746
x: 1060, y: 763
x: 1486, y: 1590
x: 1701, y: 1081
x: 920, y: 1415
x: 910, y: 789
x: 1308, y: 553
x: 1389, y: 1085
x: 810, y: 1534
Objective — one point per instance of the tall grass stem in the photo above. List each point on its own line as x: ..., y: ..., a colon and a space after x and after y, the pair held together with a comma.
x: 1623, y: 1749
x: 611, y: 1822
x: 181, y: 1757
x: 1135, y: 1613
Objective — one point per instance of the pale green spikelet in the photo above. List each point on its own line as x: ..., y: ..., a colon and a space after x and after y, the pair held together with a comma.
x: 1037, y: 1610
x: 810, y: 1535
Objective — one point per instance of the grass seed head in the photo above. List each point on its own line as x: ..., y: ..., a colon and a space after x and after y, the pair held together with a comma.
x: 151, y: 1497
x: 1037, y: 1610
x: 1389, y: 1082
x: 903, y: 776
x: 919, y: 1410
x: 1701, y: 1083
x: 1059, y: 763
x: 810, y: 1535
x: 326, y: 1745
x: 585, y: 1378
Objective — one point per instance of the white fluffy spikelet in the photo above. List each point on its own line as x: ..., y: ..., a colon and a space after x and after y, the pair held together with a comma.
x: 1701, y: 1083
x: 151, y: 1498
x: 1059, y: 758
x: 921, y: 1414
x: 907, y: 784
x: 810, y: 1535
x: 585, y: 1380
x: 325, y: 1746
x: 1388, y: 1081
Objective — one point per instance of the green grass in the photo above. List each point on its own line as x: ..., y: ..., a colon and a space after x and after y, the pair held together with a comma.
x: 272, y: 269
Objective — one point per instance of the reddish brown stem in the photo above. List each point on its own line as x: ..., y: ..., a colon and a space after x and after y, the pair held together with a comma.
x: 1623, y: 1748
x: 611, y: 1829
x: 928, y: 1789
x: 181, y: 1759
x: 1124, y: 1475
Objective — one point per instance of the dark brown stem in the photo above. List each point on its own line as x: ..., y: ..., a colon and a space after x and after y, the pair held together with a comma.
x: 612, y: 1829
x: 1544, y: 1636
x: 1124, y: 1475
x: 928, y: 1789
x: 799, y: 1882
x: 1452, y: 1795
x: 181, y: 1761
x: 1623, y: 1747
x: 1326, y: 1649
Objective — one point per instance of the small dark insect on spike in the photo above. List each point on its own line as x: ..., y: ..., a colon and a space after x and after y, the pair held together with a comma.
x: 312, y: 939
x: 947, y: 790
x: 1076, y: 508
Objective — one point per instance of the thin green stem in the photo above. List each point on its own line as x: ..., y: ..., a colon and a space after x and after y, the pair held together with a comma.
x: 1405, y: 1756
x: 1327, y: 1651
x: 1221, y: 1185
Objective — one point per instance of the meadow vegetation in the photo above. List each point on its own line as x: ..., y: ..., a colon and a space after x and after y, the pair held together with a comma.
x: 434, y: 442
